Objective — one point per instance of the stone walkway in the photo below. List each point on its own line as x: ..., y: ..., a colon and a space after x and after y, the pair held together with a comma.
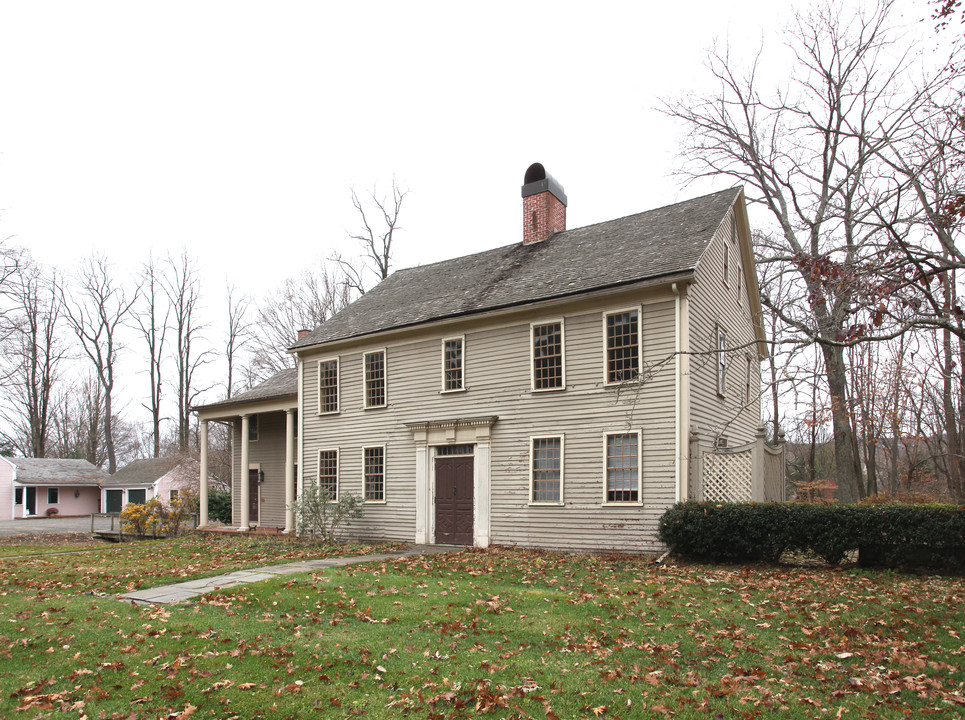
x: 178, y: 592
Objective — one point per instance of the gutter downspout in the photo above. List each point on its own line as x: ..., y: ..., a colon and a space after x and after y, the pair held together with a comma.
x: 681, y: 390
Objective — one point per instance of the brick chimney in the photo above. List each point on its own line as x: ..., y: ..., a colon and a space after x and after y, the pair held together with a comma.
x: 544, y: 206
x: 303, y: 333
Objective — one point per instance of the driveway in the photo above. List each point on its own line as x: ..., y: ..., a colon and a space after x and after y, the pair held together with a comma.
x: 45, y: 525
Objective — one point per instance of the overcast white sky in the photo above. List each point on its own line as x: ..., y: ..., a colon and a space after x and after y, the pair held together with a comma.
x: 236, y: 129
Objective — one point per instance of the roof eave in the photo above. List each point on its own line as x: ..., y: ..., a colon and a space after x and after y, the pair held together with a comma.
x: 680, y: 275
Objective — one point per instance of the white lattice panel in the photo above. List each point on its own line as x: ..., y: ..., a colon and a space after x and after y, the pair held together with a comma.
x: 728, y: 477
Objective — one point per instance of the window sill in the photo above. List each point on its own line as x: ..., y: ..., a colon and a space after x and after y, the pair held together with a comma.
x: 375, y: 407
x: 327, y: 412
x: 628, y: 503
x: 545, y: 504
x: 453, y: 392
x: 547, y: 390
x: 376, y: 502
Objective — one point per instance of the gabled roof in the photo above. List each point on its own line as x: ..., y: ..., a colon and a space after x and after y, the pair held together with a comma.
x: 282, y: 384
x: 653, y: 244
x: 146, y: 471
x: 55, y: 471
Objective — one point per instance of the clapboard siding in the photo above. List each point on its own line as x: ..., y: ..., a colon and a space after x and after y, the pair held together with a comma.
x: 497, y: 372
x: 713, y: 301
x: 268, y: 452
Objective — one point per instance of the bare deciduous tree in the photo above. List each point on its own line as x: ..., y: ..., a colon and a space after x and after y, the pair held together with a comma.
x: 239, y: 331
x: 301, y: 303
x: 97, y: 309
x: 152, y: 319
x: 31, y: 361
x: 182, y: 287
x: 809, y: 152
x: 375, y: 237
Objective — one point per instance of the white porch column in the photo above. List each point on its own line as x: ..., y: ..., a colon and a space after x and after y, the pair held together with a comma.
x: 203, y: 488
x: 289, y: 470
x: 243, y: 479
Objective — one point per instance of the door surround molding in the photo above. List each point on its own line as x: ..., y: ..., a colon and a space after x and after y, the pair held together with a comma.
x: 428, y: 435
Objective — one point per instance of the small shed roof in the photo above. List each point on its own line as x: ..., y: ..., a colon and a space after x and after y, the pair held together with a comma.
x: 282, y: 384
x: 145, y: 471
x: 55, y: 471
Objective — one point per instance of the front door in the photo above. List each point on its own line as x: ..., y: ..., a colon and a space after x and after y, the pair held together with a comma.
x: 253, y: 496
x: 454, y: 500
x: 31, y: 501
x: 115, y: 501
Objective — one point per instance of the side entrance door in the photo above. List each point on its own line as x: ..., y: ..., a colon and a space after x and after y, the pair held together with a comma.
x: 31, y: 501
x: 454, y: 500
x: 253, y: 496
x: 115, y: 501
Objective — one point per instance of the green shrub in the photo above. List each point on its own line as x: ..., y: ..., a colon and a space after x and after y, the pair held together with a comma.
x: 901, y: 536
x: 319, y: 514
x: 219, y: 505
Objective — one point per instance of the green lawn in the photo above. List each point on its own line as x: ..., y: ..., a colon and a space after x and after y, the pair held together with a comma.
x: 499, y: 633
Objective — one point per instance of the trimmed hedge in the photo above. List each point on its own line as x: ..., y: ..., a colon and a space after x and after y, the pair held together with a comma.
x: 897, y: 536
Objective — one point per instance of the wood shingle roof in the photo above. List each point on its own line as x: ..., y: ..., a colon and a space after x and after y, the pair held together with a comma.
x: 653, y: 244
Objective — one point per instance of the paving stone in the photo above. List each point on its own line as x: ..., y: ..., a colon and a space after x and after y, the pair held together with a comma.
x: 178, y: 592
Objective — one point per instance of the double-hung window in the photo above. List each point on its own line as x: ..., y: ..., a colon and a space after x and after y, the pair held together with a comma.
x: 547, y: 348
x: 53, y: 496
x: 453, y: 371
x: 328, y: 473
x: 622, y: 346
x: 373, y: 474
x: 328, y: 386
x: 253, y: 428
x: 546, y: 470
x: 374, y: 365
x: 623, y: 467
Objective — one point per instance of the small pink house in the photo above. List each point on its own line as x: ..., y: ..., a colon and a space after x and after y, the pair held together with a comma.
x: 35, y: 487
x: 141, y: 480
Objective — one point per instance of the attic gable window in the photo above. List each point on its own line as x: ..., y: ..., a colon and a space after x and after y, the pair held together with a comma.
x: 374, y: 363
x: 721, y: 360
x: 452, y: 364
x: 726, y: 262
x: 328, y: 386
x: 622, y: 346
x: 547, y: 349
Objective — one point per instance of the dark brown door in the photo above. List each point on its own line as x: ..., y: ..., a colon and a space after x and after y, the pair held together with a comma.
x: 454, y: 500
x: 252, y: 496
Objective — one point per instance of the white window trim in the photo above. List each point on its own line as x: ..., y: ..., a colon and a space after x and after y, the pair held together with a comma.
x: 606, y: 350
x: 385, y: 486
x: 720, y: 364
x: 546, y: 503
x: 532, y: 356
x: 338, y: 386
x: 338, y: 470
x: 54, y: 502
x: 442, y: 354
x: 385, y: 380
x: 626, y: 503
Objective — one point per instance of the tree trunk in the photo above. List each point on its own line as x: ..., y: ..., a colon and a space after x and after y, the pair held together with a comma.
x: 847, y: 465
